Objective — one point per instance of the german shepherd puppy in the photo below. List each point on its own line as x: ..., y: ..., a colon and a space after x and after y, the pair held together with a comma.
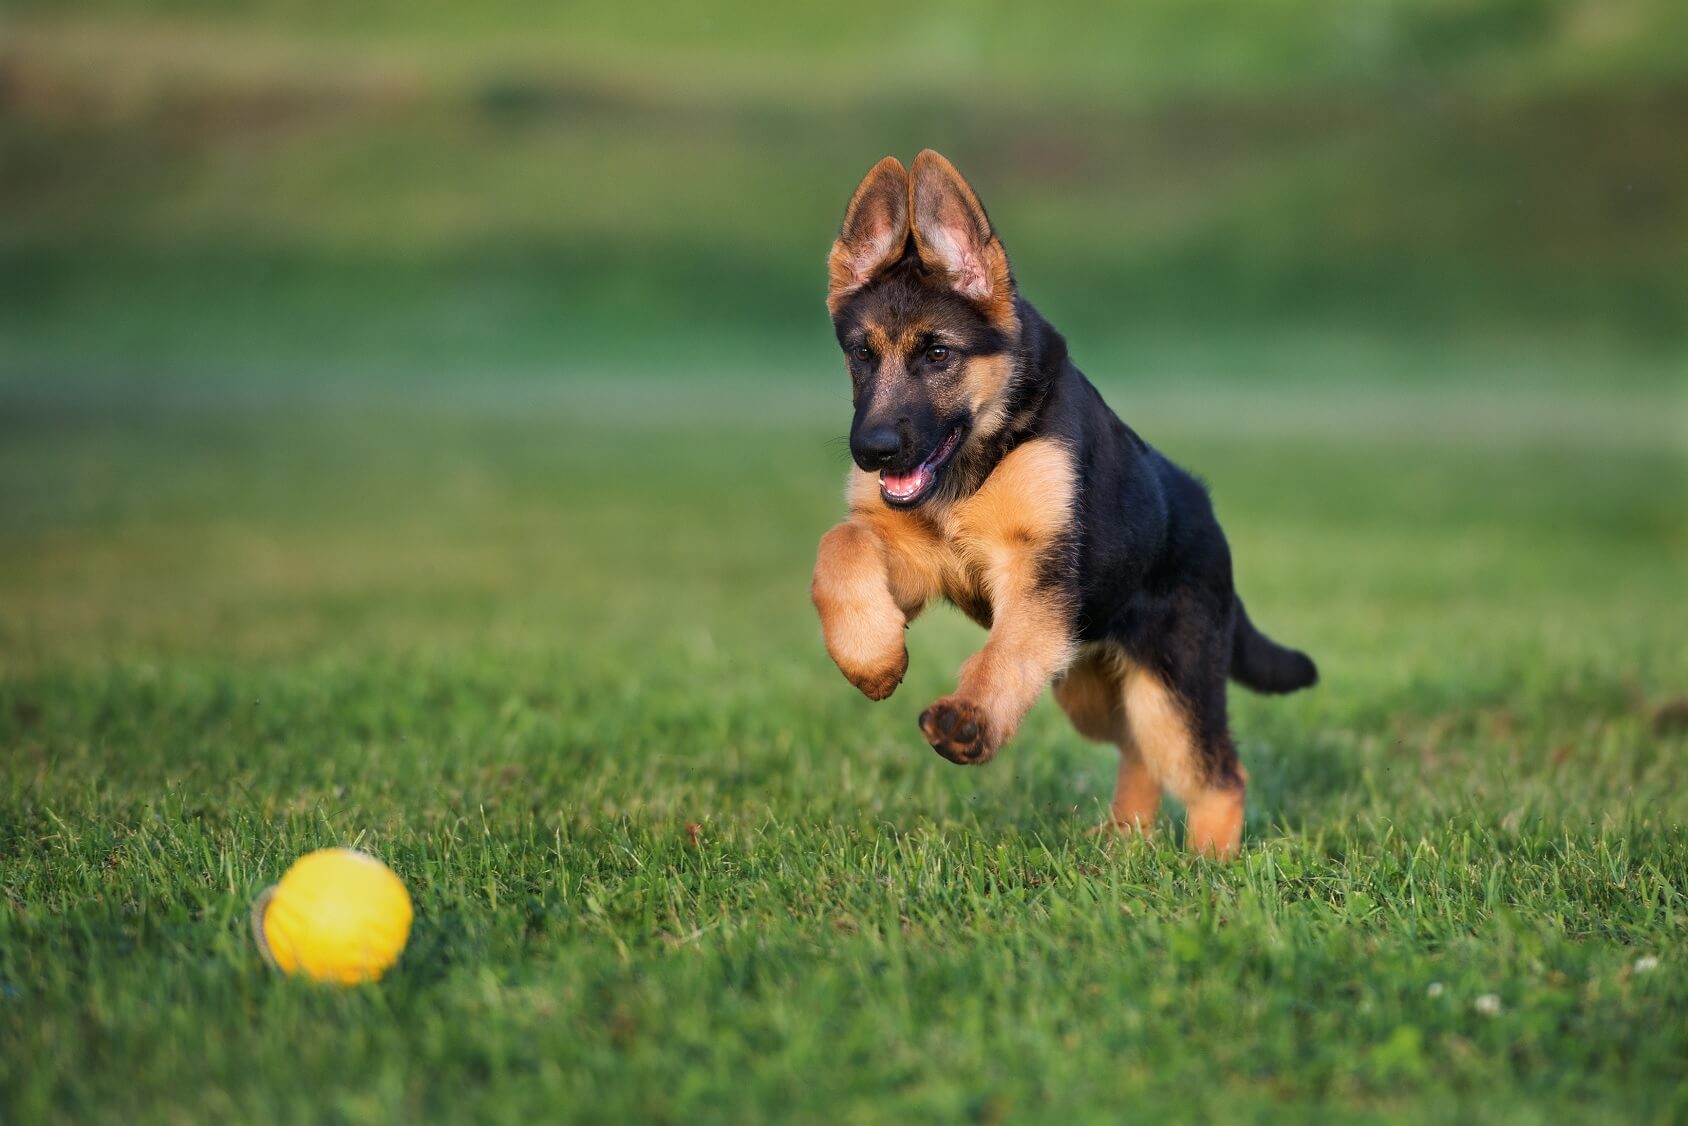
x: 991, y: 473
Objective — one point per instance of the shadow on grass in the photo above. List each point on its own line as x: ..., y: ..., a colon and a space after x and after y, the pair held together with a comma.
x: 446, y: 945
x: 1286, y: 788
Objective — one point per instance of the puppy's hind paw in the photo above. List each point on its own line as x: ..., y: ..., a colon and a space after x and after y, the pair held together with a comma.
x: 1121, y: 830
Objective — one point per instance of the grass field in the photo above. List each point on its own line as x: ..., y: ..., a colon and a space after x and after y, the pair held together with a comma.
x: 550, y: 656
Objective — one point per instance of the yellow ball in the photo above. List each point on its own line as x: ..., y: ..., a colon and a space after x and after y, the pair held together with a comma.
x: 338, y: 915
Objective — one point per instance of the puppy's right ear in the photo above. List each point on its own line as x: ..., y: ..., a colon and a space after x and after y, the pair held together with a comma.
x: 874, y: 232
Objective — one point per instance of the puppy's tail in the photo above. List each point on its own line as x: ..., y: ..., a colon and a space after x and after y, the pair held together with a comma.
x: 1262, y: 664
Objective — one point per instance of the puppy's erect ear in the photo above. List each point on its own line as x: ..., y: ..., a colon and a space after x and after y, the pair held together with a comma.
x: 953, y: 234
x: 874, y: 232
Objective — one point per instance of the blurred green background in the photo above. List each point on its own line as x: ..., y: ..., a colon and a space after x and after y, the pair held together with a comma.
x: 1355, y: 191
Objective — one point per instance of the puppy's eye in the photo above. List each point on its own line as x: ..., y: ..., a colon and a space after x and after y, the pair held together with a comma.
x: 937, y: 354
x: 862, y: 352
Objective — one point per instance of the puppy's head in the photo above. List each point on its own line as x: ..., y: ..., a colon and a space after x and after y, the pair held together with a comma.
x: 923, y: 303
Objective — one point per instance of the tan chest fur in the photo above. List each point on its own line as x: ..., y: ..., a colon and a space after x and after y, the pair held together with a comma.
x: 978, y: 549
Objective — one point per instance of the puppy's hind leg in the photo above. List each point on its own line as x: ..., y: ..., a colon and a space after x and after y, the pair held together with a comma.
x: 1185, y: 742
x: 1092, y: 693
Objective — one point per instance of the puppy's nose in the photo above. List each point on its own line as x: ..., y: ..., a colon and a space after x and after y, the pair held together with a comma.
x: 876, y: 447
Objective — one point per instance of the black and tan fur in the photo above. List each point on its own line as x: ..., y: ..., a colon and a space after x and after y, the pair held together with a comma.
x: 1095, y: 563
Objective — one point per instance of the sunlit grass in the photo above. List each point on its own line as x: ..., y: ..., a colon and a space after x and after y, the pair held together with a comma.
x: 552, y: 659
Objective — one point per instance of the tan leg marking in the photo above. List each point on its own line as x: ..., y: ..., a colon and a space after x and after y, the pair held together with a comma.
x: 1092, y: 693
x: 860, y: 620
x: 1028, y: 644
x: 1161, y: 730
x: 1162, y: 733
x: 1137, y: 796
x: 913, y: 554
x: 1002, y: 534
x: 1216, y: 823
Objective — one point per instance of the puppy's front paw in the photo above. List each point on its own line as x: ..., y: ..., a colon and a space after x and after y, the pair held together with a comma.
x: 957, y: 730
x: 877, y: 684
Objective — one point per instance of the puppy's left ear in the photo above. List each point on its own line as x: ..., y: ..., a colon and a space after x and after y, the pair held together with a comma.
x: 953, y: 235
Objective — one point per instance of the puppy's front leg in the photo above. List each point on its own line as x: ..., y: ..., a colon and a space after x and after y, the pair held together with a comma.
x: 860, y: 619
x: 1030, y: 641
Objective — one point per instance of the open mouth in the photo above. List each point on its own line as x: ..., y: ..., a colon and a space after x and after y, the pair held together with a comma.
x: 907, y: 489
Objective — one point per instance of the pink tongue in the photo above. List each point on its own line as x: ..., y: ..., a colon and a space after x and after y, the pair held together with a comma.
x: 901, y: 485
